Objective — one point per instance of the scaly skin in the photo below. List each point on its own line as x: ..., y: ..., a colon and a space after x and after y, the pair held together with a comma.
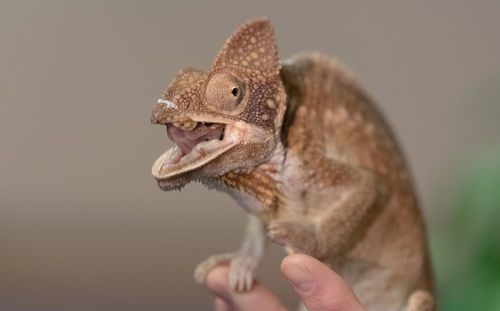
x: 306, y: 152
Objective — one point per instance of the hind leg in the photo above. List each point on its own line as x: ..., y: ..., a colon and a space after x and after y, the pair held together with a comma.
x: 420, y: 300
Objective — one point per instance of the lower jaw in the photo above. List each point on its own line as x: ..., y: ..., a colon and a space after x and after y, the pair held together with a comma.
x: 173, y: 183
x: 173, y: 163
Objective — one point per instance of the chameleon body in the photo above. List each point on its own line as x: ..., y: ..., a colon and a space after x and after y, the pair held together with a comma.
x: 303, y: 149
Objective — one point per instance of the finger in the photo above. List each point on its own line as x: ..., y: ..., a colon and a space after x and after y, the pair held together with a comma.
x: 221, y: 305
x: 318, y: 286
x: 259, y: 298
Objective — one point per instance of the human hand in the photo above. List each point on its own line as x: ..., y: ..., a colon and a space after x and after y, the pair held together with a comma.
x: 319, y: 288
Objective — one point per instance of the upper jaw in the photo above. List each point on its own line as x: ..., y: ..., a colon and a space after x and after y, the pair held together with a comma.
x: 174, y: 163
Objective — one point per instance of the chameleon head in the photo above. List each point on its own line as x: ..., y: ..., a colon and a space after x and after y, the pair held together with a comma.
x: 226, y: 119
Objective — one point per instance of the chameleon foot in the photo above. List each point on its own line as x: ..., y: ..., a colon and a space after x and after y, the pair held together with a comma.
x: 294, y: 235
x: 241, y: 273
x: 241, y: 269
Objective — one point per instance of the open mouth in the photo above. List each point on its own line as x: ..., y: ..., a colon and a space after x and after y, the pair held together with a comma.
x: 187, y: 139
x: 196, y: 143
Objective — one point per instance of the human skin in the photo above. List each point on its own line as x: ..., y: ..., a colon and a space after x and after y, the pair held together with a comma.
x: 318, y: 287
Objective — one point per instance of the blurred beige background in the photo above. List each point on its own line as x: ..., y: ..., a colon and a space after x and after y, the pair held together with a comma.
x: 83, y: 225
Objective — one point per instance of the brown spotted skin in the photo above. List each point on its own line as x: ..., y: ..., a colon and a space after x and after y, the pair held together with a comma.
x: 329, y: 179
x: 336, y: 133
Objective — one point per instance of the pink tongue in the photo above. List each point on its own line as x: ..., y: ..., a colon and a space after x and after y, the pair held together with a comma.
x: 187, y: 140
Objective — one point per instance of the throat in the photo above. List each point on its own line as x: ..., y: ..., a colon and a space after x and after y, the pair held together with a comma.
x: 263, y: 182
x: 258, y: 183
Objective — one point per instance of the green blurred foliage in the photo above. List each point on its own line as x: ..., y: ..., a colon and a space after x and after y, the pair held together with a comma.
x: 466, y: 250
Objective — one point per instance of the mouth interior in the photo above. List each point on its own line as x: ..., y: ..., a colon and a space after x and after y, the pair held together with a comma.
x: 186, y: 140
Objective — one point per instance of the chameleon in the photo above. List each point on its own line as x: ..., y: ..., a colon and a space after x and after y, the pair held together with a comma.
x: 306, y: 152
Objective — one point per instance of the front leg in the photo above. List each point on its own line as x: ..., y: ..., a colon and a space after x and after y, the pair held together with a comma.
x: 339, y: 200
x: 298, y: 235
x: 243, y: 262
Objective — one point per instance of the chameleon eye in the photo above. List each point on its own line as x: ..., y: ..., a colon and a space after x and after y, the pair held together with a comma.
x: 224, y: 91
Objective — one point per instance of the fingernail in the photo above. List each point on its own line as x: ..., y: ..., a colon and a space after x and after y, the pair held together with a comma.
x: 301, y: 277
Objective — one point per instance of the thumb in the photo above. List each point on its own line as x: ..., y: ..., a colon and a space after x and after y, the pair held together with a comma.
x: 319, y: 288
